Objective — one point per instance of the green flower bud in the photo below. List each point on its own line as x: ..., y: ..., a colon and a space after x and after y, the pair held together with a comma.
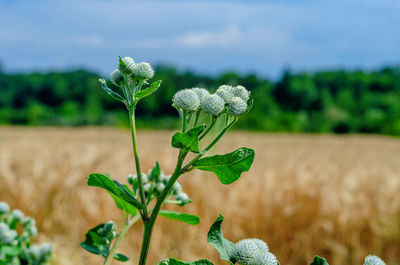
x: 116, y: 77
x: 373, y: 260
x: 225, y: 92
x: 127, y: 65
x: 45, y: 250
x: 237, y: 106
x: 4, y: 207
x: 187, y: 99
x: 202, y: 93
x: 242, y: 92
x: 17, y: 215
x: 132, y: 179
x: 8, y: 236
x: 143, y: 71
x: 213, y: 105
x: 264, y: 259
x: 246, y: 250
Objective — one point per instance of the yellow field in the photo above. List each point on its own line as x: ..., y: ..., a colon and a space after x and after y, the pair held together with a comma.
x: 337, y: 197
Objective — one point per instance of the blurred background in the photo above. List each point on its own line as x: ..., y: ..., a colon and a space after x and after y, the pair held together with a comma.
x: 325, y: 124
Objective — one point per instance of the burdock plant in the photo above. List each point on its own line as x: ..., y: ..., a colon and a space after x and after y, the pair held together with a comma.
x: 146, y: 193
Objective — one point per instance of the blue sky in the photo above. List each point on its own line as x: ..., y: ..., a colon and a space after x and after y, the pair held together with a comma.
x: 205, y: 36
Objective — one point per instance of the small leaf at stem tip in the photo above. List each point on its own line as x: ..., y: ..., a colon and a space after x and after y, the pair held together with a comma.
x: 121, y: 257
x: 110, y: 92
x: 101, y: 181
x: 183, y: 217
x: 319, y: 261
x: 217, y: 240
x: 188, y: 140
x: 148, y: 91
x: 172, y: 261
x: 155, y: 173
x: 228, y: 167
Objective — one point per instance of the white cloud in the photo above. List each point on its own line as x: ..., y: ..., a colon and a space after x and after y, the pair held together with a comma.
x: 227, y: 37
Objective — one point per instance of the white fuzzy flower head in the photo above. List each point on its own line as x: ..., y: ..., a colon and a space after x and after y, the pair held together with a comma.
x: 34, y: 251
x: 127, y: 65
x: 8, y: 236
x: 45, y: 249
x: 264, y: 259
x: 213, y: 104
x: 160, y: 187
x: 373, y: 260
x: 183, y: 197
x: 116, y: 77
x: 32, y: 231
x: 237, y: 106
x: 4, y: 207
x: 17, y: 214
x: 143, y: 71
x: 225, y: 92
x: 147, y: 188
x: 3, y: 228
x: 242, y: 92
x: 177, y: 188
x: 187, y: 99
x: 202, y: 93
x: 248, y: 249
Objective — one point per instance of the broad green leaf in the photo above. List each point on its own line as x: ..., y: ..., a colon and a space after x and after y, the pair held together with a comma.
x: 121, y: 257
x: 104, y: 182
x: 110, y: 91
x: 188, y: 140
x: 217, y: 240
x: 228, y: 167
x: 95, y: 243
x: 183, y: 217
x: 97, y: 250
x: 10, y: 250
x: 172, y: 261
x: 319, y: 261
x: 148, y: 91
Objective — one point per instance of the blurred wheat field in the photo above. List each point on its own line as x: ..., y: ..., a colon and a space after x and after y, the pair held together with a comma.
x: 335, y: 196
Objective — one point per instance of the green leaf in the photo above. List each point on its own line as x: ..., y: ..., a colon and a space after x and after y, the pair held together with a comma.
x: 104, y: 182
x: 217, y: 240
x: 95, y: 243
x: 155, y: 172
x: 10, y: 250
x: 148, y: 91
x: 188, y: 140
x: 110, y: 91
x: 228, y: 167
x: 183, y: 217
x: 319, y: 261
x: 172, y: 261
x: 249, y: 106
x: 123, y: 205
x: 121, y: 257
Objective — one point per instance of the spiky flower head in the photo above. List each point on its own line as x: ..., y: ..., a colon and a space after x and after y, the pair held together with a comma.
x: 237, y: 106
x: 264, y: 259
x: 127, y: 65
x: 32, y: 231
x: 147, y: 188
x: 373, y: 260
x: 116, y: 77
x: 143, y: 71
x: 202, y: 93
x: 177, y: 188
x: 186, y: 99
x: 8, y: 236
x: 34, y: 251
x: 242, y: 92
x: 4, y: 207
x: 45, y: 249
x: 160, y: 187
x: 182, y: 197
x: 246, y: 250
x: 213, y: 104
x: 3, y: 228
x: 17, y: 214
x: 225, y: 92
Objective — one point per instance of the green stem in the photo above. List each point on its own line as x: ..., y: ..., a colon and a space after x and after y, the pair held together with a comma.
x: 213, y: 122
x: 186, y: 168
x: 196, y: 120
x: 127, y: 225
x: 184, y: 114
x: 149, y: 225
x: 137, y: 163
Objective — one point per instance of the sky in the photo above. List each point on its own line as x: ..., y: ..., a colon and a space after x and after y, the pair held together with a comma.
x: 207, y: 36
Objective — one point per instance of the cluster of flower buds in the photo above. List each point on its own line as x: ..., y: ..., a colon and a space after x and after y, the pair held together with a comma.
x: 373, y: 260
x: 131, y: 70
x: 154, y: 184
x: 253, y: 252
x: 10, y: 222
x: 196, y: 99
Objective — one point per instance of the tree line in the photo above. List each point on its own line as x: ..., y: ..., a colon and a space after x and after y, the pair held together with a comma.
x: 337, y: 101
